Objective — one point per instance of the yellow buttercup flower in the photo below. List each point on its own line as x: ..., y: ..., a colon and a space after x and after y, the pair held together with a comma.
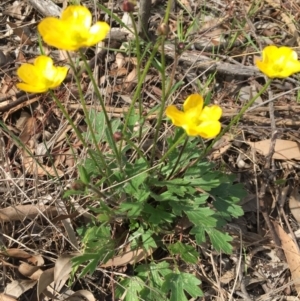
x: 73, y: 30
x: 196, y: 120
x: 40, y: 76
x: 278, y: 62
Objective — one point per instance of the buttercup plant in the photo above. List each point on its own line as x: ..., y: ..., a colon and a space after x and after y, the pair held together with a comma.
x: 196, y: 120
x: 73, y: 30
x: 41, y: 76
x: 280, y: 62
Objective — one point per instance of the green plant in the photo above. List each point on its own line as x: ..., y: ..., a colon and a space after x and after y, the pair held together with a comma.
x: 151, y: 202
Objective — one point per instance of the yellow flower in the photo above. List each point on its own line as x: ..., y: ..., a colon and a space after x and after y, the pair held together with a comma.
x: 73, y: 30
x: 196, y: 120
x: 278, y: 62
x: 41, y: 75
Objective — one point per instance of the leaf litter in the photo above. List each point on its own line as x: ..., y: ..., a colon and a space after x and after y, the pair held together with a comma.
x: 250, y: 144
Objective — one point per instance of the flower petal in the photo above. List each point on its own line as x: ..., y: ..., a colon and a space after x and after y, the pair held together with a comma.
x: 212, y: 113
x: 79, y: 14
x: 57, y: 34
x: 31, y: 88
x: 191, y: 130
x: 27, y: 73
x: 98, y: 32
x: 177, y: 117
x: 43, y: 62
x: 59, y: 76
x: 264, y: 68
x: 208, y: 129
x: 194, y: 101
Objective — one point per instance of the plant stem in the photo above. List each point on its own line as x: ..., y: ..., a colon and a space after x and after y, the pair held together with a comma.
x: 163, y: 100
x: 144, y: 15
x: 174, y: 145
x: 168, y: 10
x: 138, y: 66
x: 102, y: 104
x: 237, y: 117
x: 79, y: 135
x: 178, y: 158
x: 137, y: 93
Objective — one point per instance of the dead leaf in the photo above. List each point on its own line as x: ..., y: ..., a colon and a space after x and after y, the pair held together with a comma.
x: 221, y: 146
x: 17, y: 287
x: 18, y: 107
x: 130, y: 80
x: 284, y: 149
x: 129, y: 257
x: 131, y: 76
x: 4, y: 297
x: 34, y: 168
x: 22, y: 32
x: 62, y: 271
x: 81, y: 295
x: 22, y: 120
x: 291, y: 253
x: 28, y: 130
x: 227, y: 277
x: 45, y: 279
x: 36, y: 260
x: 118, y: 72
x: 294, y: 204
x: 70, y: 158
x: 247, y: 92
x: 29, y: 271
x: 15, y: 252
x: 21, y: 212
x: 120, y: 60
x: 15, y: 10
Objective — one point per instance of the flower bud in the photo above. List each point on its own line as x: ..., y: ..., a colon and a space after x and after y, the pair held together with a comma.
x: 128, y: 6
x: 77, y: 185
x: 180, y: 47
x: 163, y: 29
x: 117, y: 136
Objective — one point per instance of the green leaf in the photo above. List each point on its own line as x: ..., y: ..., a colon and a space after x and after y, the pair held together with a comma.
x: 143, y: 238
x: 201, y: 200
x: 226, y: 198
x: 199, y: 233
x: 96, y: 236
x: 202, y: 217
x: 132, y: 170
x: 187, y: 252
x: 114, y: 127
x: 83, y: 175
x: 153, y: 275
x: 220, y: 240
x: 133, y: 209
x: 178, y: 283
x: 93, y: 260
x: 97, y: 119
x: 100, y: 127
x: 93, y: 165
x: 158, y: 214
x: 148, y: 241
x: 154, y: 272
x: 131, y: 287
x: 132, y: 187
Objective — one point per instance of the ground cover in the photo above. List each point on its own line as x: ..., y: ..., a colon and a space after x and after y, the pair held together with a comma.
x: 106, y: 194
